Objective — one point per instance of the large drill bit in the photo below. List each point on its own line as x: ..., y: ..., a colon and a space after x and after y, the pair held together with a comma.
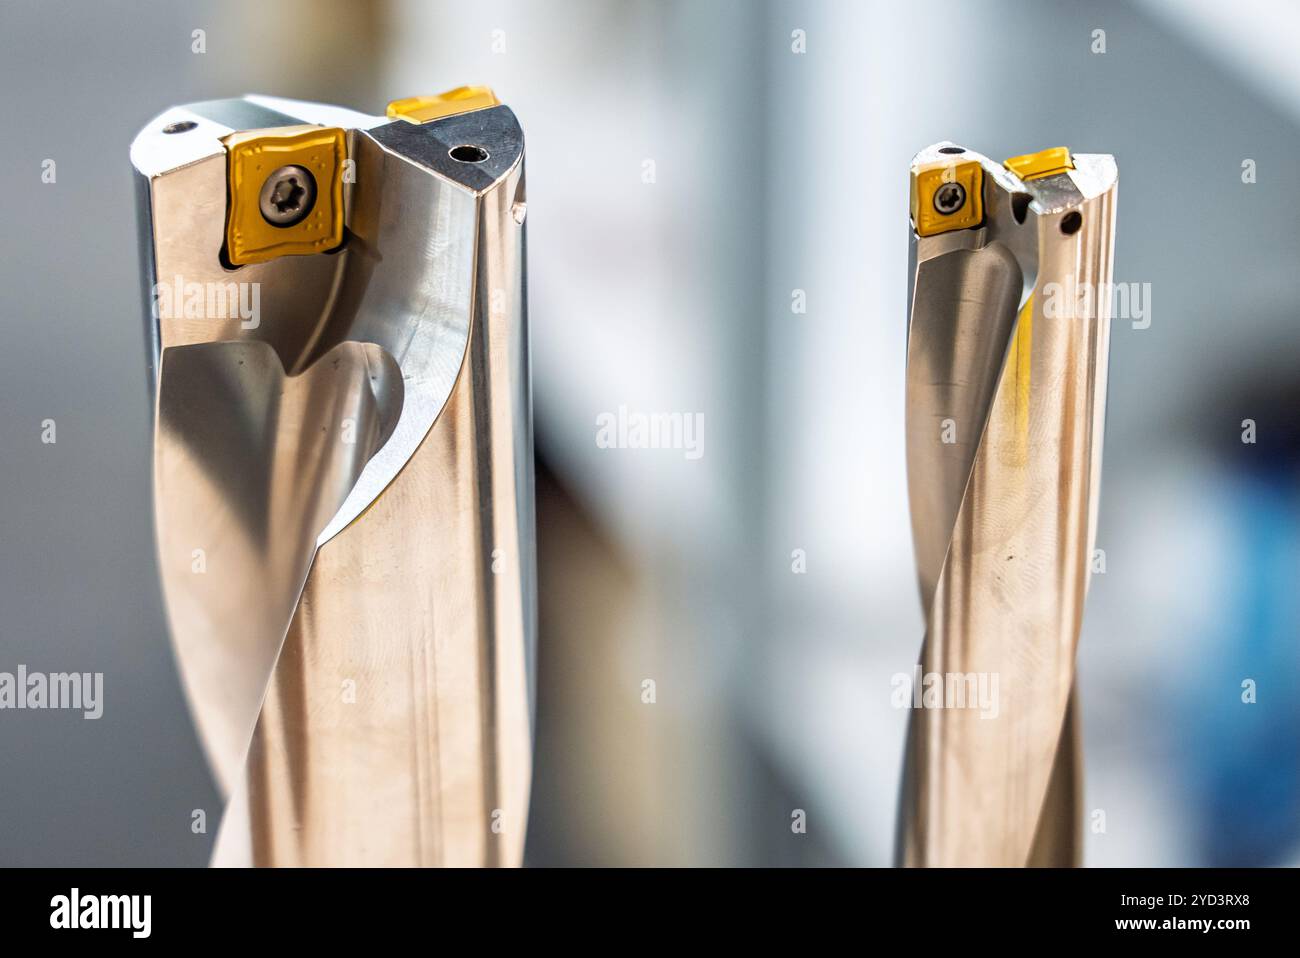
x: 1008, y: 331
x: 343, y: 470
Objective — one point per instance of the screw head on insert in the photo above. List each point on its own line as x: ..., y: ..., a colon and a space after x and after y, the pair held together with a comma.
x: 287, y: 196
x: 949, y: 198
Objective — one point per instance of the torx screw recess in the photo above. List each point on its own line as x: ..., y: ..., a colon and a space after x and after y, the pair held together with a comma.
x: 949, y: 198
x: 287, y: 196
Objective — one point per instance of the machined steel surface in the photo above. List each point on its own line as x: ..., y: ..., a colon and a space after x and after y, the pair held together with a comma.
x: 1008, y: 337
x: 343, y: 491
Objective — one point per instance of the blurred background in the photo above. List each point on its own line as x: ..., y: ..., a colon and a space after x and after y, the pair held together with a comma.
x: 692, y: 178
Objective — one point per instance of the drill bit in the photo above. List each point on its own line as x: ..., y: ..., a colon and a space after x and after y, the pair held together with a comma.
x: 342, y: 486
x: 1007, y: 344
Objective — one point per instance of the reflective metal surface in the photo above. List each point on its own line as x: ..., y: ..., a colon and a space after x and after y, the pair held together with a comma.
x: 1006, y: 386
x: 343, y: 492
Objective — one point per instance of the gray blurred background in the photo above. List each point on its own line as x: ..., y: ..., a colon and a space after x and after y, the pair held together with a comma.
x: 773, y: 171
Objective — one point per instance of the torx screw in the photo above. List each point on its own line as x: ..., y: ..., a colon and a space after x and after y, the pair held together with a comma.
x: 949, y: 198
x: 287, y: 196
